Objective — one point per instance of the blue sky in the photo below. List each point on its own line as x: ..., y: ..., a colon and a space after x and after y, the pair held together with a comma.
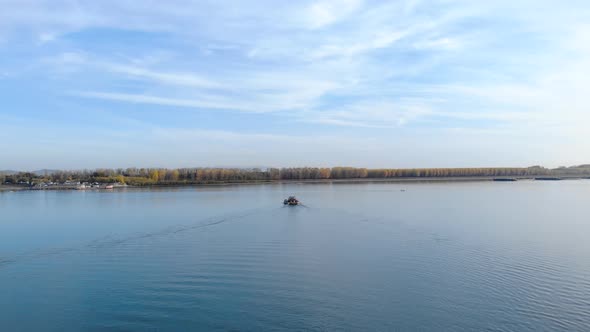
x: 442, y: 83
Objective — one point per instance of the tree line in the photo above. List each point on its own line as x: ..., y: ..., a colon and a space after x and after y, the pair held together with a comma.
x: 154, y: 176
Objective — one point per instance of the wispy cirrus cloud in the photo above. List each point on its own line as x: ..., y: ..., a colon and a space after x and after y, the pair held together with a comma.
x: 456, y: 72
x: 323, y: 13
x: 183, y: 79
x: 164, y: 101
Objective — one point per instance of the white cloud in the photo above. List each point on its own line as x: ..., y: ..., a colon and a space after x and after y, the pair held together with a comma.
x: 165, y: 101
x: 377, y: 41
x: 444, y: 43
x: 508, y: 68
x: 183, y: 79
x: 322, y: 13
x: 46, y: 37
x: 369, y: 114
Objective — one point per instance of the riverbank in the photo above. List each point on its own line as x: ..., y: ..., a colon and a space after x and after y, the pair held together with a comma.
x: 313, y: 181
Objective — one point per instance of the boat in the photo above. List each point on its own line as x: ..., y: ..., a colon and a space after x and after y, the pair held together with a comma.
x: 291, y: 201
x: 110, y: 186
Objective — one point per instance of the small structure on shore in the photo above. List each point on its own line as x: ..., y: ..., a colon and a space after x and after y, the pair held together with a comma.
x: 291, y: 201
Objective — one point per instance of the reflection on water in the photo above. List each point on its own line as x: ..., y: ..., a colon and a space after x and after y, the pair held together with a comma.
x: 469, y: 256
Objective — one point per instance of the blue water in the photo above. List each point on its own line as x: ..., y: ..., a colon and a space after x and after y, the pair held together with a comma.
x: 439, y: 257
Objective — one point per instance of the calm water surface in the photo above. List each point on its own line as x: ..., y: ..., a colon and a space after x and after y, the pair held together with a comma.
x: 440, y: 257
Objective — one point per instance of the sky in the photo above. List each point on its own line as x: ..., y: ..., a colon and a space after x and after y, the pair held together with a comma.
x: 410, y: 83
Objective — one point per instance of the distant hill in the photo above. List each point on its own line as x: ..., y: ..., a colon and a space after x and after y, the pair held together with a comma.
x: 42, y: 172
x: 578, y: 167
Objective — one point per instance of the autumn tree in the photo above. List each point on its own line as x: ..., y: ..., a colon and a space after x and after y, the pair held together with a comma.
x: 154, y: 175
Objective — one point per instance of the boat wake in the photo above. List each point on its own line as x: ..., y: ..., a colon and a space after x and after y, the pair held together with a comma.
x: 111, y: 241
